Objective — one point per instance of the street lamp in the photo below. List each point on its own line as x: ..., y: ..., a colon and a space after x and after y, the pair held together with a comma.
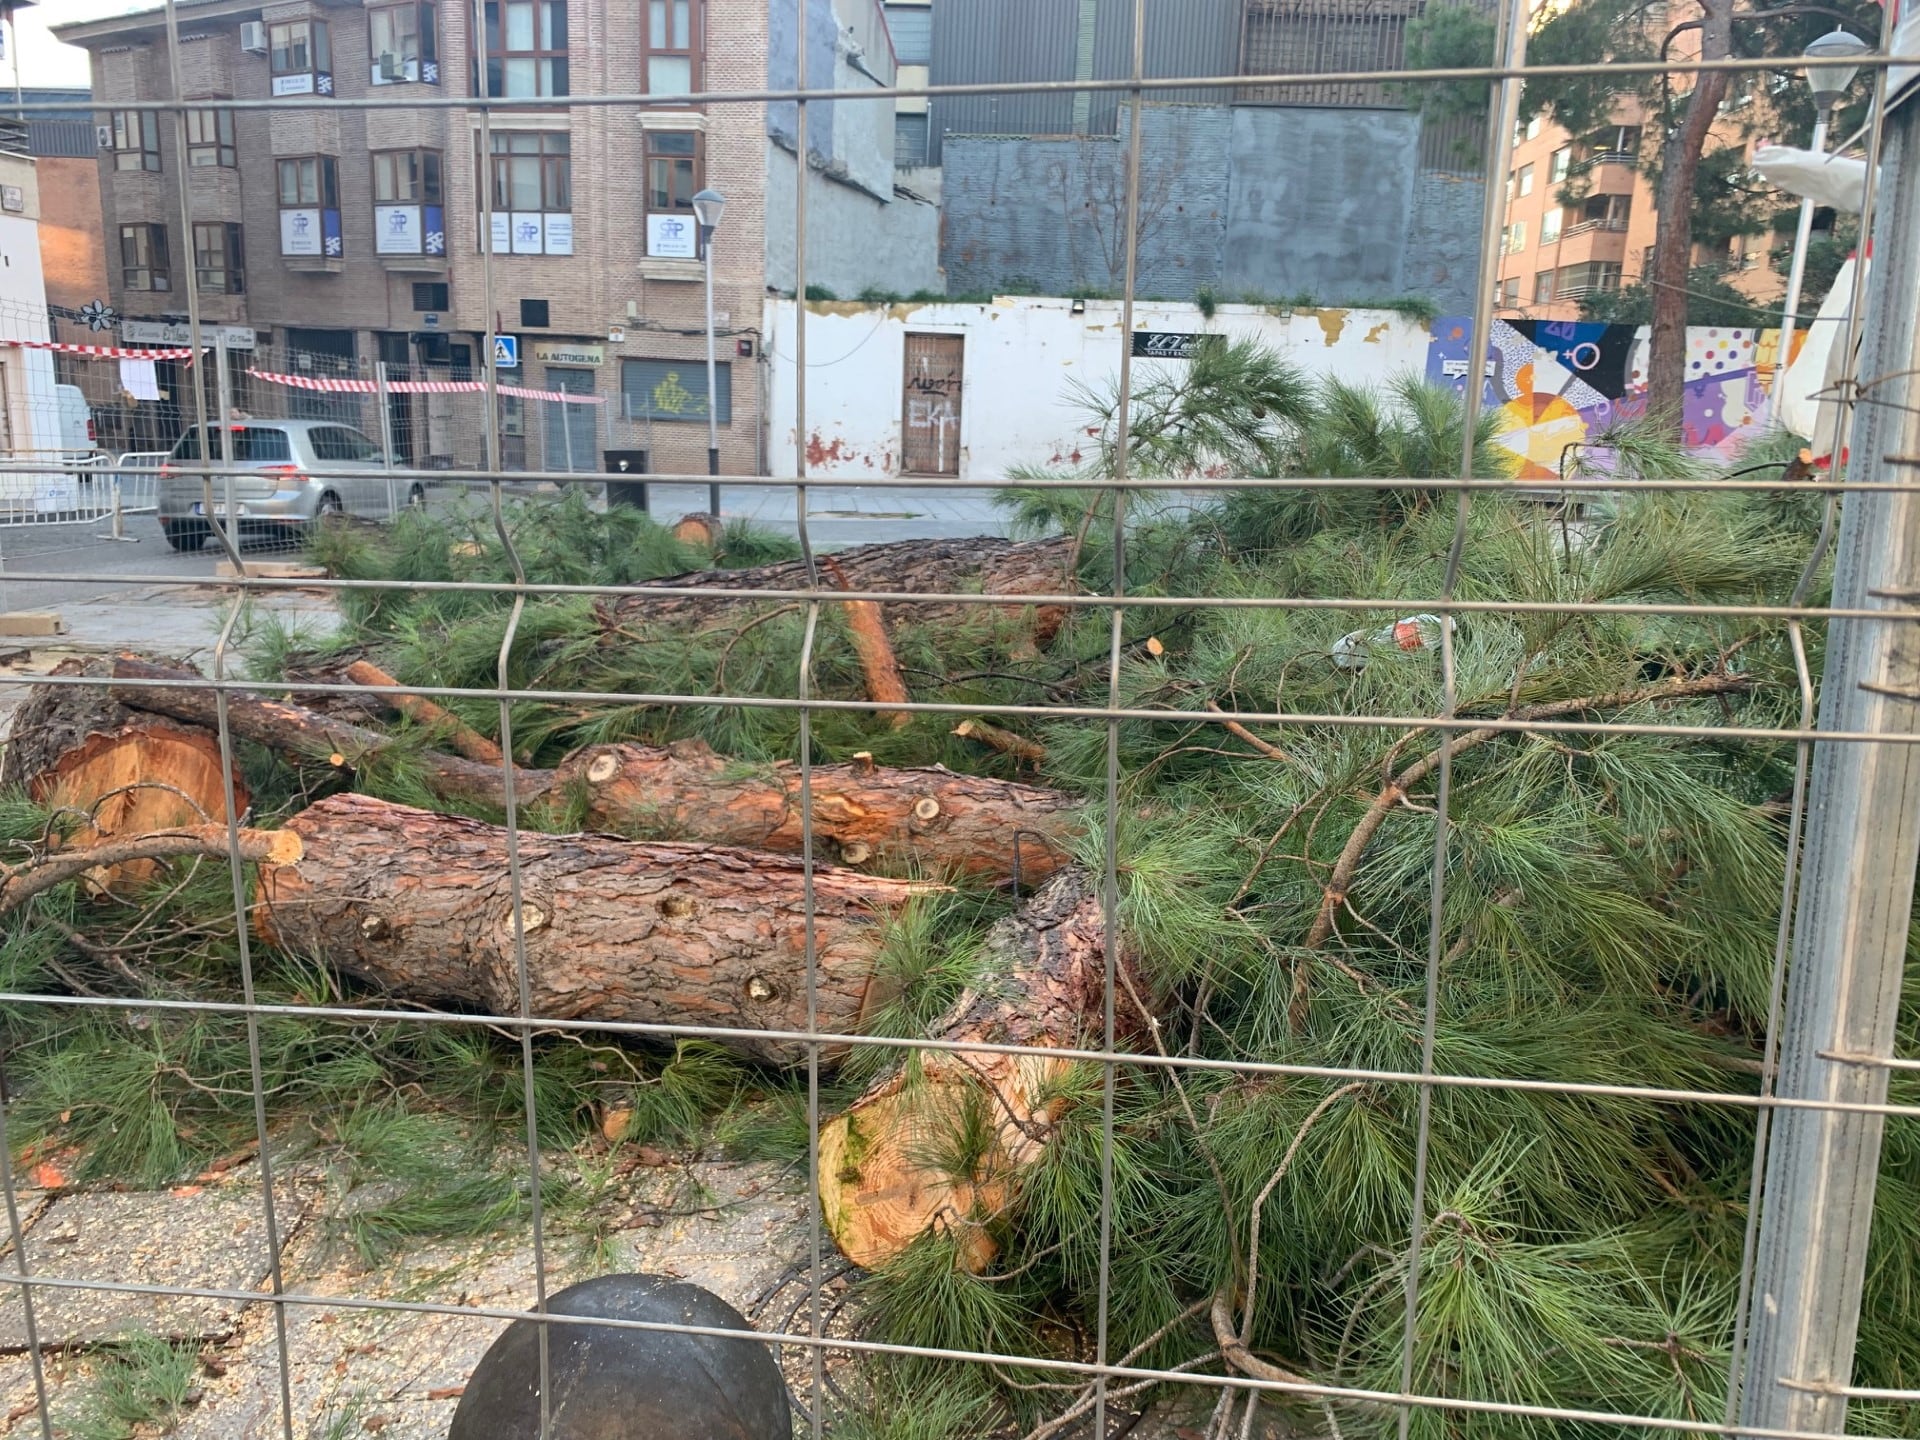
x: 1830, y: 70
x: 708, y: 207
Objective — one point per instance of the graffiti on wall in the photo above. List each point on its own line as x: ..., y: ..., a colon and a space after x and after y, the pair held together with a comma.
x: 1558, y: 383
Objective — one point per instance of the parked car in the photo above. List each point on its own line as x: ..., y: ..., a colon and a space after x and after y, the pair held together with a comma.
x: 297, y: 472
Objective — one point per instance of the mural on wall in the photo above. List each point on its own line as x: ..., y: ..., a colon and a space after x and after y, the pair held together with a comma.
x: 1559, y: 383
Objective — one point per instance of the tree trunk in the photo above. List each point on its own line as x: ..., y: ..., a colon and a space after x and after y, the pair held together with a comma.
x: 930, y: 817
x: 615, y: 929
x: 1673, y: 233
x: 295, y: 730
x: 941, y: 1144
x: 983, y: 564
x: 115, y: 771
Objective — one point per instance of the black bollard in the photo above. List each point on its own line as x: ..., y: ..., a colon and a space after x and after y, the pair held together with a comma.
x: 618, y: 1384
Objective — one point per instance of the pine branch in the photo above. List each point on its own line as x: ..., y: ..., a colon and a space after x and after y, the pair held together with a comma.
x: 20, y: 883
x: 1235, y: 728
x: 1335, y: 893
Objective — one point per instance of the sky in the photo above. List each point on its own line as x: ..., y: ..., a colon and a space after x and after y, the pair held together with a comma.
x: 44, y: 60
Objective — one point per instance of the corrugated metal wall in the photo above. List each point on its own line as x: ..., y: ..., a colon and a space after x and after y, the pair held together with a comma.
x: 978, y: 41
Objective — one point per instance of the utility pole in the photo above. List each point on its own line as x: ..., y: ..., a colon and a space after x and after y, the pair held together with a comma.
x: 1856, y: 880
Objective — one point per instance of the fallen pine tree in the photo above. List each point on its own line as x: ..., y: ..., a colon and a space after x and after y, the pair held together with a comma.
x: 1608, y: 924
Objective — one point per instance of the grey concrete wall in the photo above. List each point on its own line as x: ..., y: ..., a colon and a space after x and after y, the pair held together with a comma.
x: 1443, y: 240
x: 1319, y: 201
x: 1049, y: 213
x: 855, y: 242
x: 1245, y: 201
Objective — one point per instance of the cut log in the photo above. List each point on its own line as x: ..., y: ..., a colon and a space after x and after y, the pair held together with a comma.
x: 932, y: 817
x: 615, y: 929
x: 941, y: 1144
x: 1005, y: 741
x: 868, y: 631
x: 700, y: 530
x: 986, y: 565
x: 115, y: 771
x: 295, y: 730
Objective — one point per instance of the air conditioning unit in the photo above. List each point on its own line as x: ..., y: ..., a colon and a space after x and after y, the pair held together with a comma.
x: 253, y: 37
x: 392, y: 67
x: 104, y: 134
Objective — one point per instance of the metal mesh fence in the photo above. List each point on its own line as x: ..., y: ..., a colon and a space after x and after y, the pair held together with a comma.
x: 1183, y: 1092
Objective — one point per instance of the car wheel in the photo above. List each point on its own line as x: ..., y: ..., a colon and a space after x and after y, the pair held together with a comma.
x: 183, y: 539
x: 329, y: 505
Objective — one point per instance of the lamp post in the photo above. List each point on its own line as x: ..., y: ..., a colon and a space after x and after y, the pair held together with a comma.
x: 708, y: 207
x: 1830, y: 70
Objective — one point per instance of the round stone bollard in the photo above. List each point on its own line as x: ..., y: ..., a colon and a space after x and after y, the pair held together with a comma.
x: 611, y: 1383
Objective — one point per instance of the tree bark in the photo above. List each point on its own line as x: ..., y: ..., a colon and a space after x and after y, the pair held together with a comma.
x: 422, y: 711
x: 983, y: 564
x: 941, y: 1144
x: 1673, y: 233
x: 615, y: 929
x: 867, y: 629
x: 76, y: 749
x: 930, y: 817
x: 295, y: 730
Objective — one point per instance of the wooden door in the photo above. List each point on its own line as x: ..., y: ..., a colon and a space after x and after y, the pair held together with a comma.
x: 930, y: 428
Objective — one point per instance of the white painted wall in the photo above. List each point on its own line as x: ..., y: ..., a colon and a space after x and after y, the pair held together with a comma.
x: 1023, y: 355
x: 32, y: 409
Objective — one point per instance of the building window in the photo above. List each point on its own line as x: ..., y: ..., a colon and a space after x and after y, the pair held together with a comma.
x: 535, y: 314
x: 674, y: 177
x: 1526, y: 179
x: 1533, y: 128
x: 1516, y: 237
x: 136, y: 140
x: 1550, y: 224
x: 403, y: 44
x: 674, y: 390
x: 1506, y: 294
x: 409, y: 215
x: 1614, y: 144
x: 300, y: 58
x: 1543, y: 287
x: 526, y: 48
x: 429, y: 295
x: 310, y: 207
x: 1605, y: 212
x: 673, y: 46
x: 219, y: 259
x: 532, y: 193
x: 210, y: 138
x: 909, y: 141
x: 143, y: 258
x: 911, y: 29
x: 1312, y: 39
x: 1560, y: 164
x: 1578, y: 280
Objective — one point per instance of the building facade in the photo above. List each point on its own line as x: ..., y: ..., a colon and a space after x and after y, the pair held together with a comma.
x: 342, y: 241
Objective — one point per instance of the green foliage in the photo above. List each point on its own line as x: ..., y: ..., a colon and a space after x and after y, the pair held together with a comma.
x: 1449, y: 37
x: 141, y: 1386
x: 1710, y: 301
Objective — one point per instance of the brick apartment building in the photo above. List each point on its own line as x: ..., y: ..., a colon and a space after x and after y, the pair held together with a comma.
x: 328, y: 238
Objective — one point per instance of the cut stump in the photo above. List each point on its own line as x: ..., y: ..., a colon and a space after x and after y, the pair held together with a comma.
x: 907, y: 1158
x: 116, y: 771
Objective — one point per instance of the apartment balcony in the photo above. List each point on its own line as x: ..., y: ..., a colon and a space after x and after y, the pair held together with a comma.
x: 1610, y: 225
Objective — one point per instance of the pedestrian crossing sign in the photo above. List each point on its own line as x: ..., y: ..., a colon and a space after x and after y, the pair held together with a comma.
x: 506, y: 351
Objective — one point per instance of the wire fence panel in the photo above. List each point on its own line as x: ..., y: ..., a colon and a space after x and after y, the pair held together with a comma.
x: 1361, y: 888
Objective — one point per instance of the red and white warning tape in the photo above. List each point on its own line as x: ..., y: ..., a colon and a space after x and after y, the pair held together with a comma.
x: 334, y: 385
x: 104, y: 352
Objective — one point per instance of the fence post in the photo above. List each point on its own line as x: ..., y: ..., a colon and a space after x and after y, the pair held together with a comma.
x: 386, y: 433
x: 1856, y: 884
